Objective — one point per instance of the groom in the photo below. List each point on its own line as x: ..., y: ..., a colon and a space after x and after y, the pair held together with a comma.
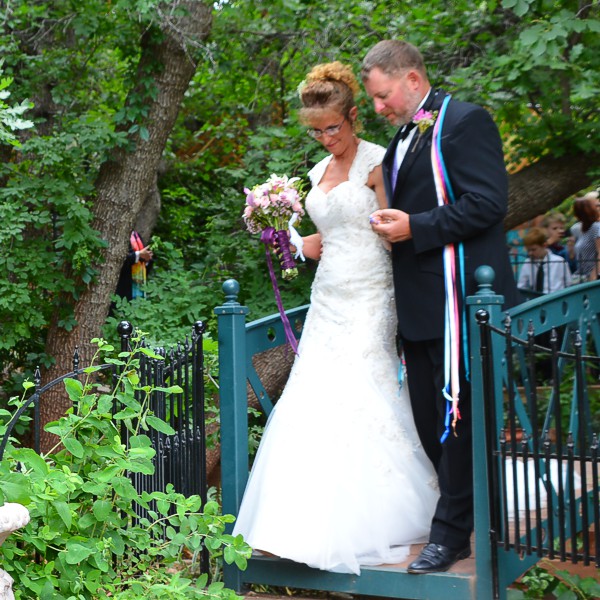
x: 395, y: 77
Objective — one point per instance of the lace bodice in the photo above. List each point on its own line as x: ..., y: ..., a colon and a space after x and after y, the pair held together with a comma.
x: 341, y: 215
x: 351, y: 248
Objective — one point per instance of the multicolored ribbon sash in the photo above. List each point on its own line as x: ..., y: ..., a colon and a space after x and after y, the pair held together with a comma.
x: 138, y: 269
x: 452, y: 318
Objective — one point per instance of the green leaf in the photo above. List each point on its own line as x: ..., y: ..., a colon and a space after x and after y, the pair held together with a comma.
x: 124, y: 488
x: 32, y: 459
x: 74, y: 389
x: 108, y: 473
x: 77, y: 553
x: 101, y: 562
x: 101, y: 509
x: 163, y: 507
x: 64, y: 512
x: 174, y: 389
x: 105, y: 404
x: 126, y: 413
x: 94, y: 487
x: 74, y: 447
x: 87, y: 520
x: 229, y: 554
x: 159, y: 425
x: 15, y: 488
x: 117, y: 542
x: 530, y: 36
x: 241, y: 562
x: 140, y: 441
x: 48, y: 592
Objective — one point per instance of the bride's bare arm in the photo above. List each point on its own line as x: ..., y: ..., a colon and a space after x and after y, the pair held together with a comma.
x: 312, y: 246
x: 375, y: 182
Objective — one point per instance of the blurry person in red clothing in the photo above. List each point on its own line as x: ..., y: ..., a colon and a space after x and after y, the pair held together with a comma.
x: 132, y: 278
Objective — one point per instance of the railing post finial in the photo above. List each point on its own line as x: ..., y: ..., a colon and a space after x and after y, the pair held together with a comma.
x: 484, y: 276
x: 231, y: 289
x: 199, y: 327
x: 124, y: 329
x: 482, y: 316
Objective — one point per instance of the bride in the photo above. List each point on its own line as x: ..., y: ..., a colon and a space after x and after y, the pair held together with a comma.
x: 340, y: 479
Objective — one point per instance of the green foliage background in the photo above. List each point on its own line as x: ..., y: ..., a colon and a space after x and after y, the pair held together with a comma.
x: 89, y: 537
x: 534, y: 63
x: 70, y: 64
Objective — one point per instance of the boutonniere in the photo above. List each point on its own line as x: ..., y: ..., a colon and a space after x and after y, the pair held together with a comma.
x: 424, y: 119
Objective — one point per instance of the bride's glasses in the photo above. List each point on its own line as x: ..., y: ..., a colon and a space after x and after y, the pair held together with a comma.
x: 317, y: 133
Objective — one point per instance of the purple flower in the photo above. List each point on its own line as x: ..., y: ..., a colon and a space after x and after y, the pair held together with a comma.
x: 249, y: 197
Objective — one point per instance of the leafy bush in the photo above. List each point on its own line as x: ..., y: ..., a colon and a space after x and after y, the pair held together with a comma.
x: 86, y: 539
x: 544, y: 580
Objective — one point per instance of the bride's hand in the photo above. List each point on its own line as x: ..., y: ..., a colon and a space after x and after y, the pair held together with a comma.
x: 391, y: 224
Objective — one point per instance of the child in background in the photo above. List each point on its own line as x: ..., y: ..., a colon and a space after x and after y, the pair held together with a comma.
x: 555, y: 224
x: 543, y: 271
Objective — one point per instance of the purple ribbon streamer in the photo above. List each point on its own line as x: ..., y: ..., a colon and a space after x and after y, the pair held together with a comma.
x: 267, y: 237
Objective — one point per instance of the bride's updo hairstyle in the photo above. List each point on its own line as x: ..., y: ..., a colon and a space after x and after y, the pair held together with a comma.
x: 329, y: 86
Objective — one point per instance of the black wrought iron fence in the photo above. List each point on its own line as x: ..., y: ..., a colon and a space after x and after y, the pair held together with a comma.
x: 180, y: 457
x: 543, y: 444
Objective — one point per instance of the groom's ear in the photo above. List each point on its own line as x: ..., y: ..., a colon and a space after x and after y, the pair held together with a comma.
x: 414, y: 79
x: 353, y: 113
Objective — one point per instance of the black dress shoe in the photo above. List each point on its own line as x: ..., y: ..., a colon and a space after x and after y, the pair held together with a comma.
x: 435, y: 558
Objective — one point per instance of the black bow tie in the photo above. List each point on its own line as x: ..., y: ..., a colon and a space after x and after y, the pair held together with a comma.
x: 406, y: 130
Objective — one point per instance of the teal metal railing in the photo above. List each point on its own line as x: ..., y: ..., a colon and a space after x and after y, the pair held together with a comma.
x: 494, y: 571
x: 556, y: 429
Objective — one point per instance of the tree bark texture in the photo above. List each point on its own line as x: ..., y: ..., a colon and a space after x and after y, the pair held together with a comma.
x: 539, y: 187
x: 123, y: 184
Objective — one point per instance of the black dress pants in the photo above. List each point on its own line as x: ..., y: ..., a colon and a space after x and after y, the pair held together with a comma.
x: 452, y: 523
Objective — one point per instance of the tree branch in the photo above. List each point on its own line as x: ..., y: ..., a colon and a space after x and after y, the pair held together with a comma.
x: 543, y: 185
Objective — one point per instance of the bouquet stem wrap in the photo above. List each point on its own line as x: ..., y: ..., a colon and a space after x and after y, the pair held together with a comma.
x: 280, y: 241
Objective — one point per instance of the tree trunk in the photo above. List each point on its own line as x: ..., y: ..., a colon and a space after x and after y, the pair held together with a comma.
x: 123, y: 184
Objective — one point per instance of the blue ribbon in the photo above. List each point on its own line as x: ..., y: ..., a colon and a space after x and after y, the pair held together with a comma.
x: 461, y: 268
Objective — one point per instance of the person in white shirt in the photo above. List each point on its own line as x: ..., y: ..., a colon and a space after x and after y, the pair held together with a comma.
x: 543, y: 271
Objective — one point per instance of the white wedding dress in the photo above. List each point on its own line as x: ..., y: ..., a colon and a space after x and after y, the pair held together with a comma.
x: 340, y: 479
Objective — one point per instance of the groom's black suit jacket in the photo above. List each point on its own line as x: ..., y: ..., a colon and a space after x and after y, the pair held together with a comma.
x: 472, y: 152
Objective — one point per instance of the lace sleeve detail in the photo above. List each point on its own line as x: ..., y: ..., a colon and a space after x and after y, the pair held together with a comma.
x: 369, y: 156
x: 316, y: 173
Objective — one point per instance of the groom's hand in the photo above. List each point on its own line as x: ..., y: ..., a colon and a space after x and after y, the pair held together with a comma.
x: 391, y: 224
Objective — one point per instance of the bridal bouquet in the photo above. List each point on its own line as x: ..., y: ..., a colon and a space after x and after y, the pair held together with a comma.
x: 271, y: 209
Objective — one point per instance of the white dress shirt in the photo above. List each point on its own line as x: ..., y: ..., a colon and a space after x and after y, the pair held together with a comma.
x: 557, y: 274
x: 402, y: 147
